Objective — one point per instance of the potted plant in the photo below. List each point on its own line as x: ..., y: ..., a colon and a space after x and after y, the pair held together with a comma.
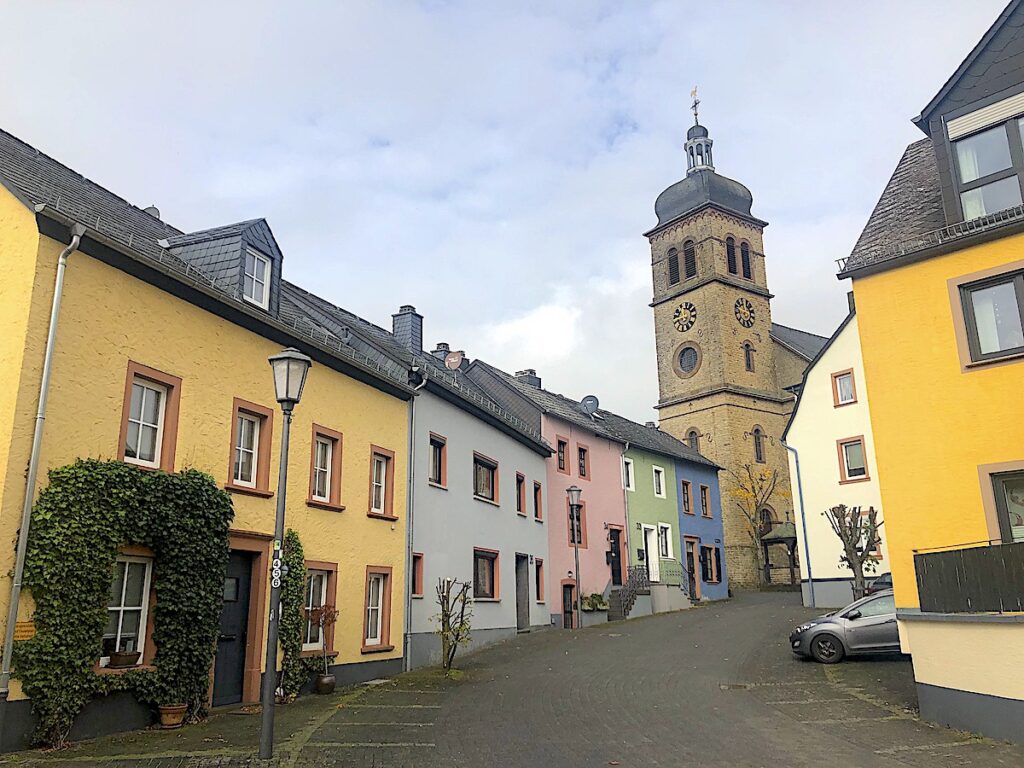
x: 123, y: 659
x: 324, y: 617
x: 172, y: 715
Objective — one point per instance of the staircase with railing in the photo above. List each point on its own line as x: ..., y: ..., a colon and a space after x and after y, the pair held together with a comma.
x: 620, y: 601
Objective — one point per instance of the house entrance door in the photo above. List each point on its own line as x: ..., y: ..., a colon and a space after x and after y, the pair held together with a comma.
x: 522, y: 592
x: 691, y: 568
x: 568, y: 605
x: 651, y: 553
x: 615, y: 555
x: 229, y: 668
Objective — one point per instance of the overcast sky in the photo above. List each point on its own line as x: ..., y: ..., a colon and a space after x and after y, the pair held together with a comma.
x: 494, y: 164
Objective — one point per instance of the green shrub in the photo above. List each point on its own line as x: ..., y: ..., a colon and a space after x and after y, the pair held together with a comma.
x: 293, y: 617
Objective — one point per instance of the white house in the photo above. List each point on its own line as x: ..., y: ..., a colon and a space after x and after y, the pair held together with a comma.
x: 834, y: 463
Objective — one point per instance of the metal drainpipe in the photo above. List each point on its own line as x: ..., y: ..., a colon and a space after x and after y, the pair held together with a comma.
x: 803, y: 523
x: 77, y: 230
x: 411, y: 474
x: 625, y: 499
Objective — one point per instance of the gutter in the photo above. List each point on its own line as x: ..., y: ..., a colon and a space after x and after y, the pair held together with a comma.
x: 409, y: 510
x: 803, y: 522
x: 77, y: 231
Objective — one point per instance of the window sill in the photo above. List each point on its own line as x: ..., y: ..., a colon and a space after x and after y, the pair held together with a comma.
x: 417, y: 597
x: 121, y: 670
x: 707, y: 517
x: 1012, y: 357
x: 540, y: 602
x: 376, y: 648
x: 521, y: 514
x: 262, y: 493
x: 691, y: 514
x: 843, y: 405
x: 486, y: 599
x: 325, y: 505
x: 851, y: 480
x: 147, y: 467
x: 538, y: 519
x: 439, y: 487
x: 379, y: 516
x: 485, y: 500
x: 310, y: 653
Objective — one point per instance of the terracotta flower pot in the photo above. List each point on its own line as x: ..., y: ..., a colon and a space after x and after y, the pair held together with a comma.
x: 123, y: 659
x: 325, y: 684
x: 172, y: 715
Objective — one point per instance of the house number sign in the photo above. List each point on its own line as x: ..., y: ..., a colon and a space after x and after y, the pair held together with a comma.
x: 275, y: 566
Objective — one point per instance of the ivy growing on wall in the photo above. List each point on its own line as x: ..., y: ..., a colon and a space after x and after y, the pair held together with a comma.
x: 87, y: 512
x: 293, y: 616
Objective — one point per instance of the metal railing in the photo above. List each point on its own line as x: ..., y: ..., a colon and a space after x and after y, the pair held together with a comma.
x: 973, y: 579
x: 670, y: 573
x: 636, y: 583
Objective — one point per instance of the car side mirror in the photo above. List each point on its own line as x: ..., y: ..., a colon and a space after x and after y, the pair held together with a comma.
x: 853, y: 615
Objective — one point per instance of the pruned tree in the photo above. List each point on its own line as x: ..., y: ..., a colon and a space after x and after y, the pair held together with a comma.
x: 455, y: 611
x: 858, y: 532
x: 752, y: 489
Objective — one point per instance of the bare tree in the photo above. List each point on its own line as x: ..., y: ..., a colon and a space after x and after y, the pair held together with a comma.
x: 858, y: 532
x: 456, y: 610
x: 752, y: 489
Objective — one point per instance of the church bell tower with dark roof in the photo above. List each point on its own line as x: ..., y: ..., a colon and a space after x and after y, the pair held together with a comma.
x: 718, y: 366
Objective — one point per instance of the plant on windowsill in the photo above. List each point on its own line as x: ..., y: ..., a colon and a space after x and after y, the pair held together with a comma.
x: 123, y: 659
x: 324, y: 617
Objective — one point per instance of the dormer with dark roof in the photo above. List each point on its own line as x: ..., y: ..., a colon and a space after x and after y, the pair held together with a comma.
x: 243, y: 258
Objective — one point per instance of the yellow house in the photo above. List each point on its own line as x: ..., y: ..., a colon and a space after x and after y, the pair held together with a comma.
x: 160, y: 360
x: 938, y: 276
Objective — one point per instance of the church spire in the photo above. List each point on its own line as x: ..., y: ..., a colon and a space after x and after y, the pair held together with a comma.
x: 698, y: 144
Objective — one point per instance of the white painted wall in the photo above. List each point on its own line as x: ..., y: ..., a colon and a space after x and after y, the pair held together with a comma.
x: 814, y: 431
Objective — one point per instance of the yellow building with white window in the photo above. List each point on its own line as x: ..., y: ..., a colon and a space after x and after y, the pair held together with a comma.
x: 160, y: 360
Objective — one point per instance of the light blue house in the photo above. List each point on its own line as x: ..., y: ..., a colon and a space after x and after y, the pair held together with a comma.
x: 700, y: 530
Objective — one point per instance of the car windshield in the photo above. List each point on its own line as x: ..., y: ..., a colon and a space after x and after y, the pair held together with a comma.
x: 877, y: 607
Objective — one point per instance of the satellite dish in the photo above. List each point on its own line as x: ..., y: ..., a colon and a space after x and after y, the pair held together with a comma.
x: 453, y: 361
x: 589, y: 405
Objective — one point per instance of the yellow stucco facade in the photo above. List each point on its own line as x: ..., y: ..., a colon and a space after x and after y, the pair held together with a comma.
x: 937, y: 422
x: 109, y: 318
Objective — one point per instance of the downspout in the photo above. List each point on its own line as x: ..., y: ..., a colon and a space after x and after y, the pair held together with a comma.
x: 625, y: 501
x: 803, y: 523
x: 77, y: 230
x: 409, y: 508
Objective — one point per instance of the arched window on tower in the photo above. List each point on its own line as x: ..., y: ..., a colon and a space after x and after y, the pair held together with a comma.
x: 730, y: 254
x: 673, y: 266
x: 689, y: 259
x: 700, y: 154
x: 693, y: 439
x: 758, y: 445
x: 690, y: 157
x: 766, y: 520
x: 745, y: 258
x: 748, y: 356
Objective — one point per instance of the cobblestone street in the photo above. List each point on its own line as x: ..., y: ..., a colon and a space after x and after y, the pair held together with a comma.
x: 715, y: 685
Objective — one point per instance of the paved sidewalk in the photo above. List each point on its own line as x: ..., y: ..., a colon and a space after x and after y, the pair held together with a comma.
x: 715, y: 685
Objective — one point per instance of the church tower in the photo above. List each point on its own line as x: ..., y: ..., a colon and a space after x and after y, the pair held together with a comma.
x: 718, y: 365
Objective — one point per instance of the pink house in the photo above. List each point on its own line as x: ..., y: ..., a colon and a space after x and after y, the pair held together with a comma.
x: 587, y: 456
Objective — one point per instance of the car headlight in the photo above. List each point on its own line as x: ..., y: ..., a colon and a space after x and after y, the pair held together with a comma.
x: 804, y: 627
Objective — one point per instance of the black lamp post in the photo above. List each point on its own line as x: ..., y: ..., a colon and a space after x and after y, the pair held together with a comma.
x: 576, y: 527
x: 290, y: 369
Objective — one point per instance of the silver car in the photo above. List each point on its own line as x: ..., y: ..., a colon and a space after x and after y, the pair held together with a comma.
x: 867, y: 625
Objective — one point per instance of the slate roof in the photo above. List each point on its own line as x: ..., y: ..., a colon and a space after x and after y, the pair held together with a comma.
x: 606, y: 424
x: 909, y: 209
x: 803, y: 343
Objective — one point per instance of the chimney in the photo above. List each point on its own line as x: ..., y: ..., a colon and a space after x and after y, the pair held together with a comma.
x: 528, y: 376
x: 850, y: 302
x: 407, y: 327
x: 442, y: 350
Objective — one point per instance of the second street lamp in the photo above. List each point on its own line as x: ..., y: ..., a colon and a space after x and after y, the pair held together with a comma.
x: 290, y: 369
x: 576, y: 529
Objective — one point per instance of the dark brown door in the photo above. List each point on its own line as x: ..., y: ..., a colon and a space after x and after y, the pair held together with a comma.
x: 615, y: 555
x: 522, y: 592
x: 568, y: 605
x: 229, y: 669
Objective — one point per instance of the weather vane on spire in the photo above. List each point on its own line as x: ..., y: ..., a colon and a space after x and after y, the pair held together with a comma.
x: 696, y: 103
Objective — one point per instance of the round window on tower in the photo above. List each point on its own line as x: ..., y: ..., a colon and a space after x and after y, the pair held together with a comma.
x: 687, y: 360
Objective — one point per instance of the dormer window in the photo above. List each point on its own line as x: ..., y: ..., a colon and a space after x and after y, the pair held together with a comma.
x: 256, y: 288
x: 988, y: 177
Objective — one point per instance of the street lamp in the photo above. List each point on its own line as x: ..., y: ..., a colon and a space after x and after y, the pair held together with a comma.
x: 576, y: 528
x: 290, y: 368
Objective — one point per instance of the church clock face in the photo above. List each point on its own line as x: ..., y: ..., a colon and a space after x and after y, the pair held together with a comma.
x: 684, y: 317
x: 744, y: 312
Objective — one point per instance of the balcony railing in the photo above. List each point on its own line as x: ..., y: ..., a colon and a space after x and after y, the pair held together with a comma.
x: 976, y: 579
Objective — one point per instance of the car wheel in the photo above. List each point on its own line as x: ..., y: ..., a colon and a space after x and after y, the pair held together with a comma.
x: 827, y: 649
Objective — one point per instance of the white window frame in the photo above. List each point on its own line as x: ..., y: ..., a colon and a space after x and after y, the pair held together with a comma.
x: 264, y: 301
x: 143, y: 611
x: 628, y: 477
x: 839, y: 391
x: 324, y: 470
x: 375, y: 629
x: 319, y: 644
x: 846, y: 459
x: 152, y: 386
x: 668, y: 539
x: 382, y: 484
x: 657, y: 471
x: 257, y: 424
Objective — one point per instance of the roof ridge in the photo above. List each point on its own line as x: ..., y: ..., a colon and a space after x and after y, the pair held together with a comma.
x: 86, y: 179
x: 799, y: 330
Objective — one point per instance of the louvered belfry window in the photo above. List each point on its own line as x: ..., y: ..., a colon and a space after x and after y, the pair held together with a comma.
x: 689, y: 259
x: 673, y: 267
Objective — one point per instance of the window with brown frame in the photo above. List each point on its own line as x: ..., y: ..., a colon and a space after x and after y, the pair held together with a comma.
x: 417, y: 574
x: 853, y: 467
x: 485, y: 478
x: 583, y: 460
x: 382, y: 483
x: 251, y: 437
x: 520, y: 493
x: 438, y: 470
x: 325, y: 469
x: 687, y: 490
x: 149, y: 418
x: 538, y: 502
x: 705, y: 501
x: 485, y: 574
x: 538, y: 572
x: 844, y: 391
x: 710, y: 564
x: 321, y: 589
x: 577, y: 528
x: 377, y: 610
x: 563, y: 447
